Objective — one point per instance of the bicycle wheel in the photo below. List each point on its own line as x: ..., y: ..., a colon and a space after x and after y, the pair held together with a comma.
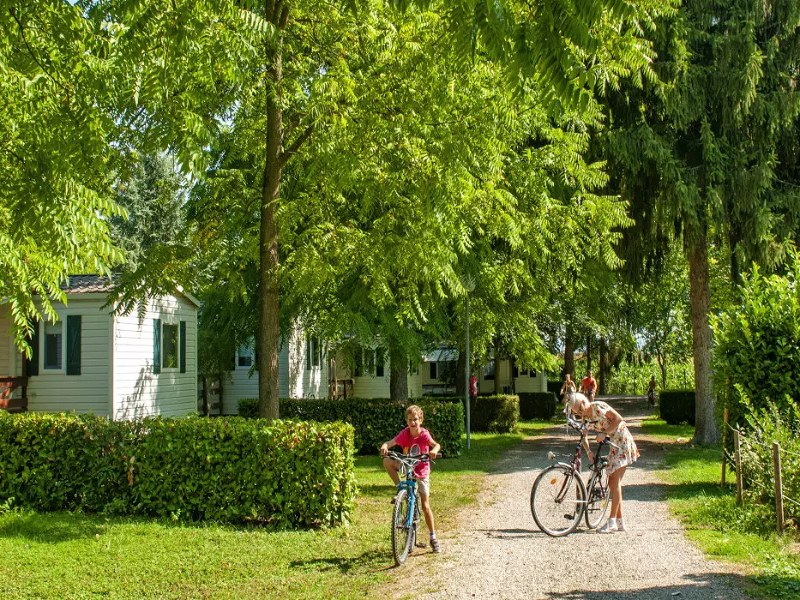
x: 598, y: 499
x: 557, y: 500
x: 402, y: 533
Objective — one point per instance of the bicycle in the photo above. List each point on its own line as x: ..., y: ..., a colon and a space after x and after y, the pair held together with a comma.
x: 559, y: 497
x: 406, y: 513
x: 651, y: 397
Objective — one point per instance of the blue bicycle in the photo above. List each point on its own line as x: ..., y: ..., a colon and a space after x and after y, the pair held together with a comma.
x: 406, y: 513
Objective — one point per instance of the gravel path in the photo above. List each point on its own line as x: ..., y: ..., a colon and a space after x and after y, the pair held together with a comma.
x: 497, y: 550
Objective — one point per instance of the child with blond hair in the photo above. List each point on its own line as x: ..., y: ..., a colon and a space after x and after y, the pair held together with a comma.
x: 415, y: 439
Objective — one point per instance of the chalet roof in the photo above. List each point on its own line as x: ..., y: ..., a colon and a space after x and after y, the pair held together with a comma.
x: 442, y: 355
x: 87, y: 284
x: 84, y: 284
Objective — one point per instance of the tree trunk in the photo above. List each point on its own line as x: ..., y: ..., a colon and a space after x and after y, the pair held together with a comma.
x: 569, y: 353
x: 603, y: 365
x: 496, y: 366
x: 398, y: 374
x: 268, y: 250
x: 588, y: 353
x: 706, y: 431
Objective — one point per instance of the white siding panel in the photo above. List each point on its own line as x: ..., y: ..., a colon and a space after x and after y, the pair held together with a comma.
x: 89, y: 392
x: 138, y: 392
x: 304, y: 382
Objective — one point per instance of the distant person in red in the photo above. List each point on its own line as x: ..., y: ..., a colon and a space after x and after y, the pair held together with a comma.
x: 589, y: 386
x: 473, y: 387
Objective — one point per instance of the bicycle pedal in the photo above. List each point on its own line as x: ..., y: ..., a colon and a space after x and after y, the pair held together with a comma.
x: 569, y: 517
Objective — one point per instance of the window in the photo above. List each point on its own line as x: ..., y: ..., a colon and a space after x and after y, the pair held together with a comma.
x: 313, y: 353
x: 359, y: 363
x: 169, y: 356
x: 244, y: 357
x: 488, y: 371
x: 370, y: 361
x: 379, y: 354
x: 413, y: 368
x: 53, y: 345
x: 434, y: 374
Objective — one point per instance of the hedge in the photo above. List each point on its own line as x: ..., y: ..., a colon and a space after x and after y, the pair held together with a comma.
x: 677, y: 406
x: 375, y: 420
x: 491, y: 414
x: 283, y: 474
x: 537, y: 405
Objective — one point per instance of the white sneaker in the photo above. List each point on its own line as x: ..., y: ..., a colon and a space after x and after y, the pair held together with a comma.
x: 609, y: 527
x: 620, y: 525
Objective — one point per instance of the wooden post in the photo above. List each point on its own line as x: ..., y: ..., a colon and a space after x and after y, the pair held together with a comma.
x: 776, y: 464
x: 206, y: 407
x: 724, y: 439
x: 737, y: 456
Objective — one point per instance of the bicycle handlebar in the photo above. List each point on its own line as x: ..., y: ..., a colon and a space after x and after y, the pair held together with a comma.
x: 412, y: 460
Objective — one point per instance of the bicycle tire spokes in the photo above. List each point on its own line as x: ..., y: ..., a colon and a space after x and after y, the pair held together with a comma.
x: 558, y: 499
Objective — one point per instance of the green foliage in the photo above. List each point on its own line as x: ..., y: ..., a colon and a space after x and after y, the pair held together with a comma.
x: 765, y: 425
x: 677, y: 406
x: 757, y: 348
x: 285, y: 474
x: 375, y: 420
x: 154, y: 236
x: 491, y: 414
x: 633, y: 377
x: 537, y: 405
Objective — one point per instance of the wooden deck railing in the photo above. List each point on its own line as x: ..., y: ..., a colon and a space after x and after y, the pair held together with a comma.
x: 9, y: 402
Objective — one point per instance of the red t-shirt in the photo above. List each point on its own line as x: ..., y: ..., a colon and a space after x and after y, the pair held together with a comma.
x: 589, y: 384
x: 416, y: 445
x: 473, y: 386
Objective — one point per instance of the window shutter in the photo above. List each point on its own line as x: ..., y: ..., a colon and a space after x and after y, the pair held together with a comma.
x: 32, y: 364
x: 182, y: 349
x: 156, y: 346
x: 73, y: 344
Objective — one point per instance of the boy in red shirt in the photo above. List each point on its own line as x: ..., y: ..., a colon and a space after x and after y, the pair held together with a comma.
x: 415, y: 439
x: 589, y: 385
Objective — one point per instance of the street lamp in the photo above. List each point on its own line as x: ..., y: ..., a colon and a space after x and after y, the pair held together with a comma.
x: 469, y: 285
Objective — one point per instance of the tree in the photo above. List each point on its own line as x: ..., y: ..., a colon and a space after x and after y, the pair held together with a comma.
x: 154, y: 235
x: 699, y: 155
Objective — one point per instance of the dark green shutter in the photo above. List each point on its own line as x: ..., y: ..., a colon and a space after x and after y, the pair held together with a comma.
x: 73, y: 344
x: 32, y: 364
x: 156, y: 345
x: 182, y: 349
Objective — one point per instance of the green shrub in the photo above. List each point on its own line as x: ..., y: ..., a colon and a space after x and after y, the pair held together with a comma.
x: 490, y: 414
x: 286, y: 474
x: 537, y: 405
x: 376, y: 420
x: 757, y: 343
x: 763, y: 426
x: 677, y: 406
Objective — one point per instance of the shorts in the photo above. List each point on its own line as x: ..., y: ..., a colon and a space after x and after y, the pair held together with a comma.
x: 424, y: 486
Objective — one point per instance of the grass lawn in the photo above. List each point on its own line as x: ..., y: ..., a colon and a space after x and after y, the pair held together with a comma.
x: 58, y: 555
x: 723, y: 530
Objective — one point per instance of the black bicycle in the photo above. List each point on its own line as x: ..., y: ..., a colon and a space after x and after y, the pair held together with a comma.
x: 559, y: 497
x: 406, y: 513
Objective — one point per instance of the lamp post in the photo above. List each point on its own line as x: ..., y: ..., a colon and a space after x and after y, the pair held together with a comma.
x: 469, y: 284
x: 467, y: 361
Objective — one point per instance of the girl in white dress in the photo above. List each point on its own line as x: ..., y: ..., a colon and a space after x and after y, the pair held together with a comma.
x: 623, y: 453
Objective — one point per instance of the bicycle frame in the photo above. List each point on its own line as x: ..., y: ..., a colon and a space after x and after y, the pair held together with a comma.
x: 410, y: 484
x: 594, y: 467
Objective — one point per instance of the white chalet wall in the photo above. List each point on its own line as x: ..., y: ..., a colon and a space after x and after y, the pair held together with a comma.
x: 89, y: 392
x: 138, y: 392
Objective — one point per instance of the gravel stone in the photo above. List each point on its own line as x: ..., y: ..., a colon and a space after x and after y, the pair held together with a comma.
x: 497, y: 551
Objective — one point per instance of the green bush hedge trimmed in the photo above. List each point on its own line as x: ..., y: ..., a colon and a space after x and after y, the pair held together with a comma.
x: 537, y: 405
x: 284, y: 474
x: 375, y: 420
x: 677, y: 406
x: 491, y: 414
